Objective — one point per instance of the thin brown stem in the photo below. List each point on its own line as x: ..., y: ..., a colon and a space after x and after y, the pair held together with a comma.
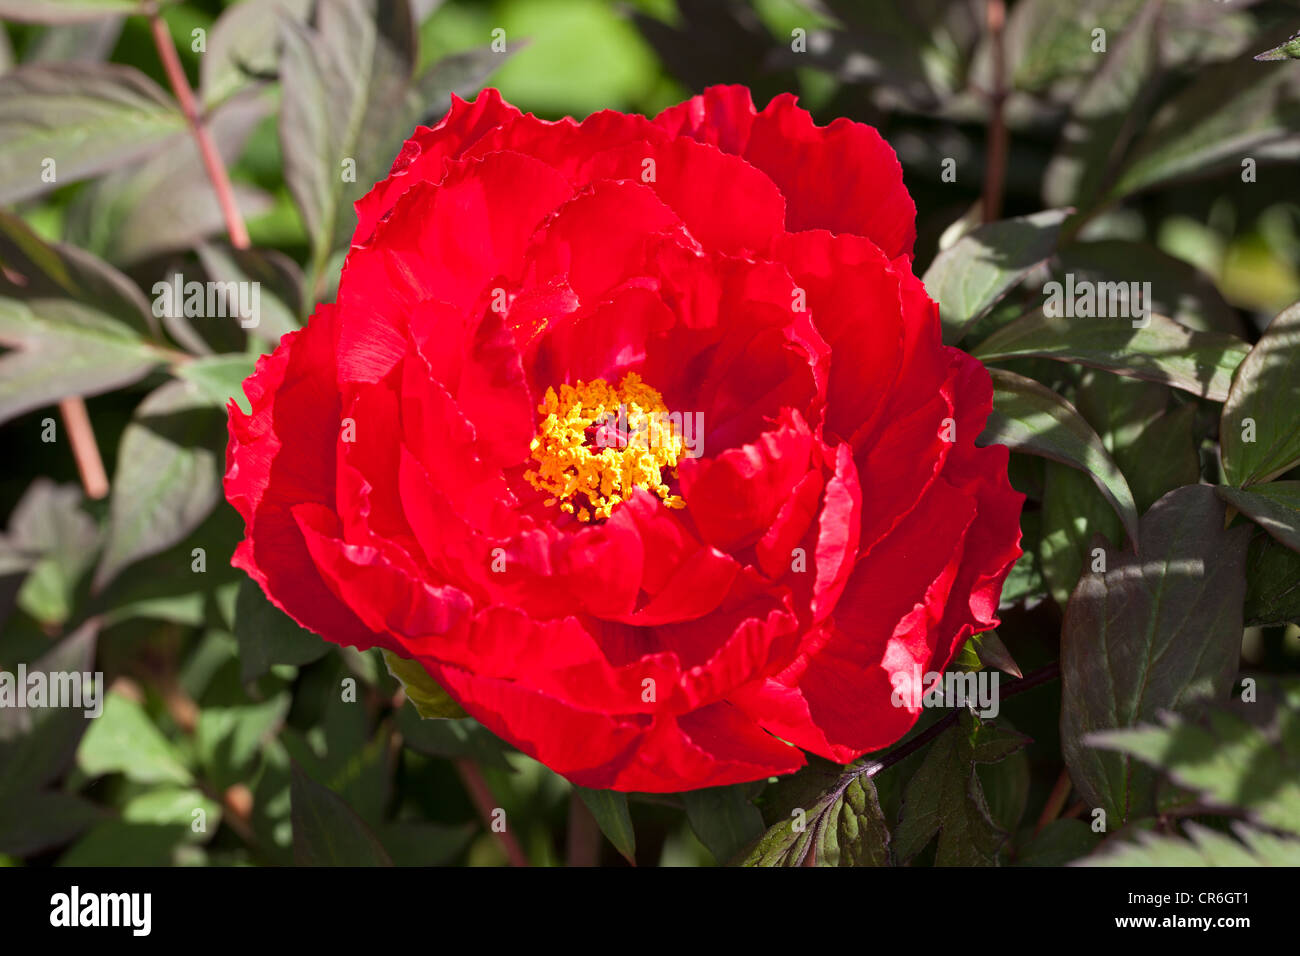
x: 995, y: 167
x: 212, y: 161
x: 81, y: 436
x: 1055, y: 801
x: 486, y: 804
x: 583, y: 844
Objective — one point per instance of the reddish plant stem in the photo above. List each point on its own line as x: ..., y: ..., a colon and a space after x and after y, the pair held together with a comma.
x: 212, y: 161
x: 583, y: 844
x: 485, y: 802
x: 1055, y: 801
x: 81, y: 436
x: 995, y: 167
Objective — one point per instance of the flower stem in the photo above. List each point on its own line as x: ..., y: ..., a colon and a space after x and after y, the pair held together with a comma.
x: 995, y: 166
x: 81, y: 436
x: 212, y: 161
x: 486, y: 803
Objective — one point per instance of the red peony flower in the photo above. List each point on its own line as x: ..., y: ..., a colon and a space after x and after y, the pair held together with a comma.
x: 640, y: 437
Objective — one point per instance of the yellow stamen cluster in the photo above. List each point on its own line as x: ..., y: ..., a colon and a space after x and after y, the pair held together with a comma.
x: 640, y: 443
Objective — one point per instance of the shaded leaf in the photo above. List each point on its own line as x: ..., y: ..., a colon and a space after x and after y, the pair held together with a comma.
x: 724, y: 818
x: 1275, y: 507
x: 1154, y: 632
x: 945, y: 797
x: 612, y: 816
x: 970, y: 277
x: 168, y: 477
x: 87, y: 117
x: 1242, y: 757
x: 1164, y: 351
x: 1265, y: 399
x: 268, y: 636
x: 327, y: 832
x: 61, y: 349
x: 1205, y: 848
x: 1030, y: 418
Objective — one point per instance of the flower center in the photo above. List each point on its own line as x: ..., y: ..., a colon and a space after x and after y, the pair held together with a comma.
x: 600, y: 442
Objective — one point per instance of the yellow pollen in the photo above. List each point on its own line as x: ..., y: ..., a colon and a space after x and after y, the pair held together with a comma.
x: 633, y: 440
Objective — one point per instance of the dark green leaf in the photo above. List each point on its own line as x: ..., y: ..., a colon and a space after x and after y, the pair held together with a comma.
x: 1164, y: 351
x: 945, y: 797
x: 612, y: 816
x: 87, y: 117
x: 969, y: 278
x: 1074, y: 513
x: 61, y: 349
x: 327, y: 832
x: 1245, y: 756
x: 38, y: 743
x: 1275, y: 507
x: 1205, y: 848
x: 168, y: 477
x: 724, y: 818
x: 1154, y: 632
x: 268, y: 636
x: 1030, y: 418
x: 1264, y: 406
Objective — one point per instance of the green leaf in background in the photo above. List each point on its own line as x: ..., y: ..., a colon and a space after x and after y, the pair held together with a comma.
x: 342, y: 83
x: 1272, y: 583
x: 1060, y: 842
x: 32, y: 822
x: 168, y: 477
x: 327, y: 832
x: 49, y: 527
x: 268, y: 636
x: 425, y: 844
x: 279, y: 281
x: 969, y: 278
x: 1074, y: 513
x: 219, y: 378
x: 1027, y: 417
x: 451, y: 738
x: 612, y: 816
x: 61, y: 349
x: 1164, y: 351
x: 86, y: 117
x: 1205, y: 848
x: 175, y: 806
x: 1275, y: 507
x: 233, y: 726
x: 37, y: 744
x: 945, y: 796
x: 244, y: 43
x: 66, y: 11
x: 1179, y: 289
x: 1105, y: 116
x: 724, y: 818
x: 167, y: 202
x: 36, y: 269
x: 1045, y: 42
x: 124, y: 740
x: 1264, y: 406
x: 429, y: 700
x: 1157, y: 631
x: 1231, y: 110
x: 1242, y: 757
